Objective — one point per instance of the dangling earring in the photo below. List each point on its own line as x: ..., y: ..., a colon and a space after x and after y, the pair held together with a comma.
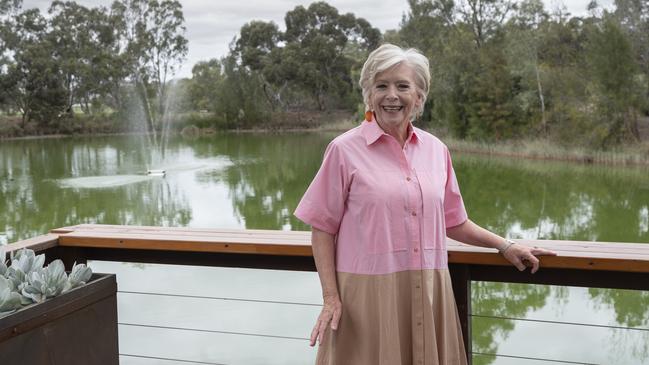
x: 369, y: 115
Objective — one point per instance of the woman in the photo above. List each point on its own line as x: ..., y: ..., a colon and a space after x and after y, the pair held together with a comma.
x: 380, y: 208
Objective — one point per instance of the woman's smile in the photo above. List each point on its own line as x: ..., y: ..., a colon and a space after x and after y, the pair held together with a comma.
x: 392, y: 108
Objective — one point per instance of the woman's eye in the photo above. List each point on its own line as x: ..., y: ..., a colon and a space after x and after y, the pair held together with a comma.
x: 404, y: 86
x: 381, y: 86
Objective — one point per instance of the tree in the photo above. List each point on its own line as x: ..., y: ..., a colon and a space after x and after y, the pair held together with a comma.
x: 612, y: 66
x: 33, y: 78
x: 633, y: 18
x: 315, y: 54
x: 207, y: 79
x: 240, y: 99
x: 82, y: 40
x: 427, y: 24
x: 257, y: 48
x: 491, y: 107
x: 316, y: 38
x: 485, y: 17
x: 523, y: 42
x: 8, y: 9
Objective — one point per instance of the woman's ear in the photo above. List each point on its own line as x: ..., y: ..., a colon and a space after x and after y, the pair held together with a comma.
x: 420, y: 99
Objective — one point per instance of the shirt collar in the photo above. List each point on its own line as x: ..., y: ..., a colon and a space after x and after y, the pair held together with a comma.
x: 372, y: 132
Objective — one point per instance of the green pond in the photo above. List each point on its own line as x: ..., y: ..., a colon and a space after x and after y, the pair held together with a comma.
x: 240, y: 316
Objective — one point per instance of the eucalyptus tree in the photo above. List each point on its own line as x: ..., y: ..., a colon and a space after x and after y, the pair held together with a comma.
x: 613, y: 67
x: 8, y: 10
x: 524, y: 35
x: 317, y: 38
x: 82, y: 40
x: 315, y: 53
x: 33, y: 78
x: 427, y: 24
x: 207, y: 79
x: 485, y: 17
x: 257, y: 48
x: 633, y: 17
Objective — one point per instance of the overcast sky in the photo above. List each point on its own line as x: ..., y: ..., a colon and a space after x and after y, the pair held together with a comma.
x: 211, y: 24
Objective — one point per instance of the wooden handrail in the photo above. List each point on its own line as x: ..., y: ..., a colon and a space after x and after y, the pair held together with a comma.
x: 38, y: 243
x: 610, y: 256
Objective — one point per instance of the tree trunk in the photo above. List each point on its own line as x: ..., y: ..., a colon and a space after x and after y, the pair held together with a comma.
x: 144, y: 97
x: 544, y: 123
x: 632, y: 124
x: 268, y: 97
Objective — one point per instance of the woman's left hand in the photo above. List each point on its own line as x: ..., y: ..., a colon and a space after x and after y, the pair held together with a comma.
x: 522, y: 256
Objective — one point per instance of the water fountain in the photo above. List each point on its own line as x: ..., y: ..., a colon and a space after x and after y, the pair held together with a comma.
x: 155, y: 146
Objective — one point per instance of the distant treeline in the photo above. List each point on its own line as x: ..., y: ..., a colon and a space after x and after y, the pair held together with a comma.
x: 500, y: 69
x: 114, y: 61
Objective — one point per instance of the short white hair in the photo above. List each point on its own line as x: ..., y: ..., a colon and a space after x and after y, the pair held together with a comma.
x: 388, y: 56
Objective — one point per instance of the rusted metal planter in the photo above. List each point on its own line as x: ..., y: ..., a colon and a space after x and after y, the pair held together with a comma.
x: 78, y: 327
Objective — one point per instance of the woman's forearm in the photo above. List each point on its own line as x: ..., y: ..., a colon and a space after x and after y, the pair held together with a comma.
x: 472, y: 234
x: 519, y: 255
x: 323, y: 245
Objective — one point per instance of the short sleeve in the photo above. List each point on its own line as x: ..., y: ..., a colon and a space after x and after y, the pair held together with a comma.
x: 323, y: 204
x: 454, y: 212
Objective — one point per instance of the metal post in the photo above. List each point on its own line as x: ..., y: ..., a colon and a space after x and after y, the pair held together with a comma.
x: 461, y: 279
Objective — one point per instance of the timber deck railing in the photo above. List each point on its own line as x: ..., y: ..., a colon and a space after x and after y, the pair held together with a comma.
x: 582, y: 264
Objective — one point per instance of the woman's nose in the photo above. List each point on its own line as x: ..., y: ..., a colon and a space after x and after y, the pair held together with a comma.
x: 392, y: 93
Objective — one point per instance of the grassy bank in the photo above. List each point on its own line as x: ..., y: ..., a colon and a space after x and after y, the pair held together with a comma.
x: 196, y: 124
x: 541, y: 149
x: 13, y: 127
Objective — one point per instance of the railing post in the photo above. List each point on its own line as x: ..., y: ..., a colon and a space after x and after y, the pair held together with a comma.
x: 461, y: 279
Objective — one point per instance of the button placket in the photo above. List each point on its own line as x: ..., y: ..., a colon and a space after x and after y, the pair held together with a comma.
x: 418, y: 316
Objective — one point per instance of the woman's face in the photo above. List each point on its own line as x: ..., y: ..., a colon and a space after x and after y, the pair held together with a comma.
x: 394, y: 95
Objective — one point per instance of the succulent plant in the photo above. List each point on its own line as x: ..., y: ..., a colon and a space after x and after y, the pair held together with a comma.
x: 3, y: 265
x: 9, y: 299
x: 45, y: 283
x: 27, y: 261
x: 26, y: 281
x: 79, y: 275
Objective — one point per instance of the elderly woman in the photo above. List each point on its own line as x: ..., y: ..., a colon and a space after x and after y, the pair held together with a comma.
x: 380, y: 208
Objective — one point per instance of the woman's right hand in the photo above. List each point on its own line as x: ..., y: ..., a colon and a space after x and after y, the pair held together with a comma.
x: 332, y: 309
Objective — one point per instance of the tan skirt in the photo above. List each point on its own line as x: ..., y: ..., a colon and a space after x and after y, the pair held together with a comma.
x: 403, y: 318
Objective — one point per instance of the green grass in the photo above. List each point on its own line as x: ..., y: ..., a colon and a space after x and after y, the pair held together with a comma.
x: 541, y: 149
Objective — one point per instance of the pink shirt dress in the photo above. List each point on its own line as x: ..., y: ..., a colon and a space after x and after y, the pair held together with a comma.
x: 389, y: 208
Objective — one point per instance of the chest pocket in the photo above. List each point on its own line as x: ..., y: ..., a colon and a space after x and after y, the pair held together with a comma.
x: 377, y: 201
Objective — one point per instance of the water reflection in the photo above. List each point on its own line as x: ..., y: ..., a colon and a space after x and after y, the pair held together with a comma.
x: 549, y: 200
x: 631, y: 310
x: 32, y: 201
x: 269, y: 176
x: 500, y: 300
